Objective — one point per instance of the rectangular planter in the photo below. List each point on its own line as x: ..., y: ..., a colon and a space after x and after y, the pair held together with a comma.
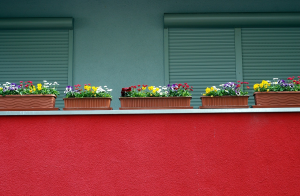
x: 279, y: 99
x: 224, y: 102
x: 87, y: 103
x: 146, y: 103
x: 27, y: 103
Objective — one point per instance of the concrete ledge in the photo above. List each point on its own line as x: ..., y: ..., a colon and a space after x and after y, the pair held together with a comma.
x: 179, y: 111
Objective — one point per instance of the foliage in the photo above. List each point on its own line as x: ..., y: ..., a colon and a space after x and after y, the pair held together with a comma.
x: 278, y: 85
x: 27, y: 88
x: 230, y: 88
x: 174, y: 90
x: 87, y: 91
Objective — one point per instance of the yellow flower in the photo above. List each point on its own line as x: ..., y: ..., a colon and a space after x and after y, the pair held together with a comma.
x: 150, y: 88
x: 157, y: 89
x: 39, y: 86
x: 211, y: 95
x: 256, y: 86
x: 212, y: 88
x: 1, y: 88
x: 261, y: 85
x: 267, y: 90
x: 143, y: 88
x: 94, y: 88
x: 154, y: 91
x: 207, y: 90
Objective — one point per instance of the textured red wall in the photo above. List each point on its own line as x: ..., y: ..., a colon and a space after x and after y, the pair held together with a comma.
x: 179, y: 154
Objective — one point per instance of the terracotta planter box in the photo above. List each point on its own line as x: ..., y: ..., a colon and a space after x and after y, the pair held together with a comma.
x: 148, y: 103
x: 280, y: 99
x: 87, y: 103
x: 27, y: 103
x: 224, y: 102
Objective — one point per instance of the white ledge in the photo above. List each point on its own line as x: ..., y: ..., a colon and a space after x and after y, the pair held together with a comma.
x: 124, y: 112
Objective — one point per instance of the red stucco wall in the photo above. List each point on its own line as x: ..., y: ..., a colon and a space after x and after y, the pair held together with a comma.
x: 179, y: 154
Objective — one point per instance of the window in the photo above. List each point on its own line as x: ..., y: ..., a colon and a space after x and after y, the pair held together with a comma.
x: 37, y: 49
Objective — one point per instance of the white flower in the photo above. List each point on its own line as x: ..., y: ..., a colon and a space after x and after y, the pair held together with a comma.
x: 55, y: 83
x: 109, y: 89
x: 44, y: 81
x: 275, y: 78
x: 105, y: 86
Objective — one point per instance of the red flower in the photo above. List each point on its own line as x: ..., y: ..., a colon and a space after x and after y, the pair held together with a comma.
x: 248, y: 87
x: 191, y: 86
x: 191, y: 89
x: 139, y: 85
x: 238, y: 85
x: 139, y: 89
x: 179, y: 85
x: 127, y: 89
x: 89, y: 84
x: 84, y: 84
x: 238, y: 81
x: 187, y: 86
x: 246, y: 82
x: 21, y: 81
x: 134, y: 86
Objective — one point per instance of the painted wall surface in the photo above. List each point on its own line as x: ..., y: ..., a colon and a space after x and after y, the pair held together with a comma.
x: 179, y: 154
x: 120, y: 42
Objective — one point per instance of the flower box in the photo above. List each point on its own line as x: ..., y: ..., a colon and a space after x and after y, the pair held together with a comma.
x: 224, y: 102
x: 146, y: 103
x: 277, y: 99
x: 33, y: 102
x: 87, y: 103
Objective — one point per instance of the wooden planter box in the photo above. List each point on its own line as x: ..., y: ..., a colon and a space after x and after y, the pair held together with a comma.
x: 148, y: 103
x: 87, y: 103
x: 27, y: 103
x: 279, y: 99
x: 224, y: 102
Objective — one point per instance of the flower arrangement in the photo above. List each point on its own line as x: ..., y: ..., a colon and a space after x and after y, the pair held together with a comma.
x: 278, y: 85
x: 87, y: 91
x: 27, y: 88
x: 174, y: 90
x: 229, y: 88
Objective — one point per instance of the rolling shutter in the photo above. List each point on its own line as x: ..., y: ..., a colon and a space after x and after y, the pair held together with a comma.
x: 202, y: 58
x: 270, y: 53
x: 37, y: 55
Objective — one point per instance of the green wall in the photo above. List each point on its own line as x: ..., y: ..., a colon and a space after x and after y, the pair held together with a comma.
x: 119, y: 43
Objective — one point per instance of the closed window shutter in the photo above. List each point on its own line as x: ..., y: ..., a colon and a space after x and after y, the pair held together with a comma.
x: 37, y: 49
x: 270, y: 53
x: 202, y: 58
